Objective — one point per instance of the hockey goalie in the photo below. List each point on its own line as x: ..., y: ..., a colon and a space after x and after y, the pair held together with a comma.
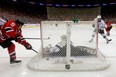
x: 59, y: 50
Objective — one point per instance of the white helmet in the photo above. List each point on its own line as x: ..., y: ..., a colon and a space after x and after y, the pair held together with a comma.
x: 99, y: 17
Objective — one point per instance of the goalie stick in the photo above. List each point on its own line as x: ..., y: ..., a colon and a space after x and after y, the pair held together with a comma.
x: 37, y: 38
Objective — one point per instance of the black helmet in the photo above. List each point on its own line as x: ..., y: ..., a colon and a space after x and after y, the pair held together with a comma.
x: 18, y: 21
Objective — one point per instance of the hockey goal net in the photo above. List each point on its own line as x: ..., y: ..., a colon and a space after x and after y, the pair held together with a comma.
x: 67, y: 48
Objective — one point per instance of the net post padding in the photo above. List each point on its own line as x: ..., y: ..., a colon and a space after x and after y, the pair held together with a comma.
x: 82, y: 56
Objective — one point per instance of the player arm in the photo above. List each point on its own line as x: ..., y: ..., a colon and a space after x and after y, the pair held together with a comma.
x: 19, y: 38
x: 22, y: 41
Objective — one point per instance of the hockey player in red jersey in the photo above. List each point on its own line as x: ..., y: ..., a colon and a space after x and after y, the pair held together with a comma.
x: 108, y: 28
x: 11, y: 30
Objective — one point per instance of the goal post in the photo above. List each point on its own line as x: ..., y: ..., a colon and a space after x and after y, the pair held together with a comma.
x: 68, y: 48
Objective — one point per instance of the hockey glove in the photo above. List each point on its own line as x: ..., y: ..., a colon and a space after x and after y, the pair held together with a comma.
x: 28, y: 46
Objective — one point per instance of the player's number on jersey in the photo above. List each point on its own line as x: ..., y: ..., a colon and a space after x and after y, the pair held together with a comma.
x: 12, y: 24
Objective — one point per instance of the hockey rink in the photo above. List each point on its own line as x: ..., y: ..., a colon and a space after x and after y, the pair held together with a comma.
x: 109, y: 50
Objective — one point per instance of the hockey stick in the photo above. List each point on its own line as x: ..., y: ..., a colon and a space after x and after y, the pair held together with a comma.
x: 5, y: 18
x: 37, y: 38
x: 34, y: 50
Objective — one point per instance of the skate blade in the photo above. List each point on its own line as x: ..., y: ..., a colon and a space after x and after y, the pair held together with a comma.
x: 15, y: 64
x: 110, y: 40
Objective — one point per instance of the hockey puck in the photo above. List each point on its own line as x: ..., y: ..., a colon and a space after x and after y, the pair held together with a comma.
x: 47, y: 58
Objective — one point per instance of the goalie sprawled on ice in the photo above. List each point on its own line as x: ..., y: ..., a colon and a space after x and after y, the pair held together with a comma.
x: 59, y: 50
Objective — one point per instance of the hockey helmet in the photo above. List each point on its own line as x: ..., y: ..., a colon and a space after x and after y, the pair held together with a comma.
x: 99, y: 17
x: 18, y: 21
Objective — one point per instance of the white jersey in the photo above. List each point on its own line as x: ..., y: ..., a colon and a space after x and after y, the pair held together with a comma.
x: 2, y: 22
x: 56, y: 48
x: 101, y: 24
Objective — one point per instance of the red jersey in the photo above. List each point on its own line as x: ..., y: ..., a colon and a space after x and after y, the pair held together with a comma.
x: 108, y: 24
x: 10, y: 30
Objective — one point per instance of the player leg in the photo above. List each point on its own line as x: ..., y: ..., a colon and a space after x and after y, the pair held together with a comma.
x: 107, y: 31
x: 12, y: 54
x: 104, y: 36
x: 93, y: 35
x: 11, y: 50
x: 109, y: 28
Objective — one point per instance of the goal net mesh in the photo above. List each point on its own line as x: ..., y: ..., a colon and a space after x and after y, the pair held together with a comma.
x: 68, y: 48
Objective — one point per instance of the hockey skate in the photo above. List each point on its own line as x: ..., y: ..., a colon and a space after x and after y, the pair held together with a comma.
x: 14, y: 62
x: 108, y: 41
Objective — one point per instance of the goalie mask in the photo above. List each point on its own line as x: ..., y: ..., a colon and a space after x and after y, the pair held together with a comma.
x: 63, y: 40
